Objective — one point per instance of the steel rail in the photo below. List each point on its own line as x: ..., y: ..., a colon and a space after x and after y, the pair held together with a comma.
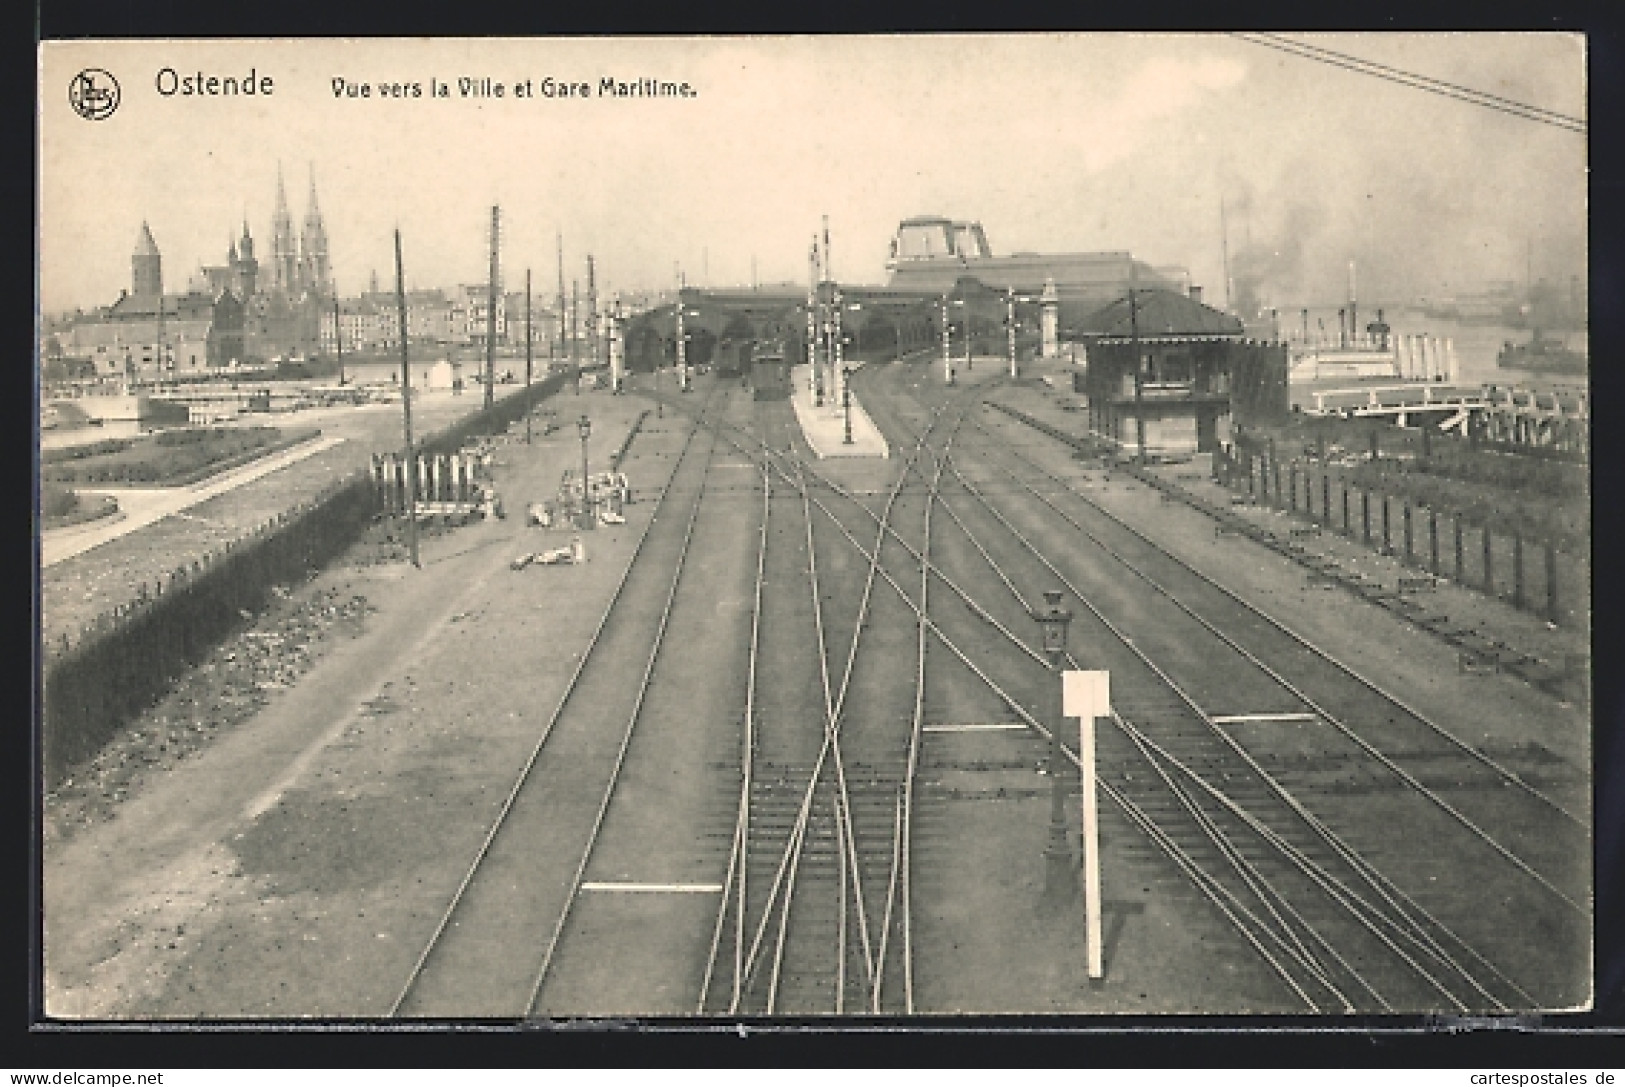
x: 1244, y: 869
x: 1346, y: 854
x: 735, y: 879
x: 1267, y: 894
x: 626, y: 742
x: 926, y: 623
x: 834, y: 710
x: 1340, y: 848
x: 903, y: 821
x: 547, y: 730
x: 1222, y: 898
x: 1330, y: 718
x: 1336, y: 889
x: 1304, y: 642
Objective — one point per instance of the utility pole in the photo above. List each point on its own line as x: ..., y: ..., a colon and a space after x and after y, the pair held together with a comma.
x: 575, y: 328
x: 491, y: 312
x: 406, y: 409
x: 1010, y: 326
x: 1139, y: 377
x: 338, y: 336
x: 815, y: 374
x: 594, y: 352
x: 528, y: 404
x: 559, y: 354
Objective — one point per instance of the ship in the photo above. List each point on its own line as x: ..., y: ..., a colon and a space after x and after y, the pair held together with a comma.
x: 1542, y: 354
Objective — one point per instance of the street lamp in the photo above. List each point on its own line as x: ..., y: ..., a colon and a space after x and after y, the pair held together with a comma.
x: 1053, y: 619
x: 846, y: 403
x: 584, y: 428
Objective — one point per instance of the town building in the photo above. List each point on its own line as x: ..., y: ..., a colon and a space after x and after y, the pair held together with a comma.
x: 235, y: 313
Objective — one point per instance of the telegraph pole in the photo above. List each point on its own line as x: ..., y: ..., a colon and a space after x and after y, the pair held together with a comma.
x: 406, y: 408
x: 528, y: 404
x: 575, y: 330
x: 338, y: 337
x: 1010, y: 325
x: 1139, y: 378
x: 595, y: 354
x: 491, y: 313
x: 559, y: 354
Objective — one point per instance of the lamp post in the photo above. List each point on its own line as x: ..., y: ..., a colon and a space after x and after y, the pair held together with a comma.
x: 846, y: 403
x: 584, y: 428
x: 947, y: 357
x: 1059, y: 879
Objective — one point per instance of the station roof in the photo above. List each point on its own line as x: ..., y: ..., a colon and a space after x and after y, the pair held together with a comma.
x: 1157, y: 314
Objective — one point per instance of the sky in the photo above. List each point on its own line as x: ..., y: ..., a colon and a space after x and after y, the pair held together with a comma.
x: 1205, y: 151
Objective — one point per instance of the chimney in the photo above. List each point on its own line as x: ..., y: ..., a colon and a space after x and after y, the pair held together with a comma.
x: 1196, y: 293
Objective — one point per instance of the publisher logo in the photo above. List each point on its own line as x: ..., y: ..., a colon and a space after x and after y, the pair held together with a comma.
x: 93, y: 94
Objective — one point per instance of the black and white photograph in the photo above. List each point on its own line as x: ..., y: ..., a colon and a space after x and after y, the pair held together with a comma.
x: 832, y: 528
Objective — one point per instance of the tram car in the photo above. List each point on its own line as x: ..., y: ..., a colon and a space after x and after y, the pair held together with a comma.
x: 734, y: 359
x: 769, y: 372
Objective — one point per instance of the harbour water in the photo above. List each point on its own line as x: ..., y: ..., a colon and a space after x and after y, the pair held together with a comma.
x: 1476, y: 345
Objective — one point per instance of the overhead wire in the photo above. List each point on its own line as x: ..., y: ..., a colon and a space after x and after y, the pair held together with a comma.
x: 1420, y: 82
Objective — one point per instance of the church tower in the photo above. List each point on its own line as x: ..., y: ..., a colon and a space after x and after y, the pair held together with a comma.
x: 146, y: 265
x: 247, y: 268
x: 316, y: 273
x: 284, y: 248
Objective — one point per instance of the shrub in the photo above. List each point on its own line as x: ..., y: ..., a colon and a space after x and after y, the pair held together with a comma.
x: 57, y: 501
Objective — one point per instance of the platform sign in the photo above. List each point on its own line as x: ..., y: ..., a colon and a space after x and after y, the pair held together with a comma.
x: 1086, y: 696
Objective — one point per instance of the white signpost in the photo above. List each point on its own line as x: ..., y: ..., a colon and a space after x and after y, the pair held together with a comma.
x: 1086, y: 696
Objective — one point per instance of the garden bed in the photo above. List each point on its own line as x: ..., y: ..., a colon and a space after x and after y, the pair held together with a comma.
x: 63, y: 508
x: 169, y: 458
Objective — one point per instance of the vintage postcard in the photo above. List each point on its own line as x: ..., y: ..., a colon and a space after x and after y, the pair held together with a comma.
x: 779, y: 527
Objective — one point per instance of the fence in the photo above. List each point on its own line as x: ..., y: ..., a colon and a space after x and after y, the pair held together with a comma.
x: 125, y: 660
x: 1535, y: 575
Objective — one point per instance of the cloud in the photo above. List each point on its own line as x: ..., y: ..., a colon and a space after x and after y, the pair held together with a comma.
x: 1158, y: 89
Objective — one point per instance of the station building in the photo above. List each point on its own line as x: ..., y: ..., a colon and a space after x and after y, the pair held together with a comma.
x: 1165, y: 375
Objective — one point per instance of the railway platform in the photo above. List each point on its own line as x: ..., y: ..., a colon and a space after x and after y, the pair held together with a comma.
x: 825, y: 427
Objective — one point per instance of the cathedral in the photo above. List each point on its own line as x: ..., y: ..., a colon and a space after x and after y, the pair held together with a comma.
x: 282, y: 302
x: 238, y: 312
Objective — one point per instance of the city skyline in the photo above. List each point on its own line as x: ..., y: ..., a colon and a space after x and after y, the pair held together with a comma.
x: 1054, y: 142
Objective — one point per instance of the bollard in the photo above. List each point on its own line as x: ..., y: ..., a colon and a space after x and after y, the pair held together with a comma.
x: 1551, y: 583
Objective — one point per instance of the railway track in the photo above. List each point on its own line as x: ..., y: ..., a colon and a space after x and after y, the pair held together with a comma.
x: 1341, y: 935
x: 506, y: 932
x: 842, y: 815
x: 818, y: 907
x: 1532, y: 822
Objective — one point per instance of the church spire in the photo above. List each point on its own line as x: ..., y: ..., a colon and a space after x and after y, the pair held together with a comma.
x: 316, y: 273
x: 146, y: 265
x: 284, y: 247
